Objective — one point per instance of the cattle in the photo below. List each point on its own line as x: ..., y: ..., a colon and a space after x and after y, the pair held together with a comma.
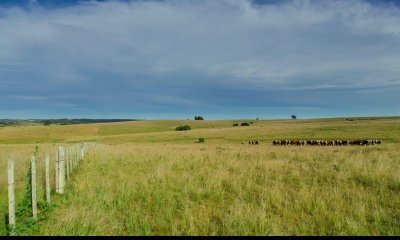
x: 330, y: 143
x: 284, y: 142
x: 337, y: 142
x: 365, y: 142
x: 295, y: 142
x: 276, y: 142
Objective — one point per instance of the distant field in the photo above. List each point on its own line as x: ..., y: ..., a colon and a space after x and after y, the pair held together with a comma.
x: 387, y: 129
x: 144, y: 178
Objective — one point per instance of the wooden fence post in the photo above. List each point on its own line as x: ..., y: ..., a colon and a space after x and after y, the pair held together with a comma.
x: 33, y: 177
x: 82, y: 152
x: 61, y: 174
x: 57, y: 171
x: 67, y: 158
x: 71, y: 161
x: 11, y: 198
x: 76, y: 157
x: 47, y: 178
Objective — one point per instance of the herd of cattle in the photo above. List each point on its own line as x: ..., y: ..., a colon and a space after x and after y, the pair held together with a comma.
x: 320, y: 142
x: 326, y: 143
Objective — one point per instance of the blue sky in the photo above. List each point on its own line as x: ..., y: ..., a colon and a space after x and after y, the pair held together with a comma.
x: 219, y: 59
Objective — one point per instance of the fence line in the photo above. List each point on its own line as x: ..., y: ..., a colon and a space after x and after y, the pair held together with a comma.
x: 33, y: 187
x: 61, y: 173
x: 66, y: 159
x: 68, y: 154
x: 57, y: 172
x: 11, y: 198
x: 48, y: 200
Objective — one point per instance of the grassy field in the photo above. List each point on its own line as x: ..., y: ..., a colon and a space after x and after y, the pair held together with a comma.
x: 144, y: 178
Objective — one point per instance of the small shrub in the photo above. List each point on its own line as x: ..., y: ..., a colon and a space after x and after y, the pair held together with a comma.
x: 235, y: 124
x: 201, y: 140
x: 245, y: 124
x: 183, y: 128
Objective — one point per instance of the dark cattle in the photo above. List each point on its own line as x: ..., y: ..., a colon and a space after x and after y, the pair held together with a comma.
x: 285, y: 142
x: 330, y: 143
x: 364, y: 142
x: 295, y: 142
x: 337, y: 142
x: 277, y: 142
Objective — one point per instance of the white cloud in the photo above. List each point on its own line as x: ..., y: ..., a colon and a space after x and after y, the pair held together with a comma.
x: 297, y: 44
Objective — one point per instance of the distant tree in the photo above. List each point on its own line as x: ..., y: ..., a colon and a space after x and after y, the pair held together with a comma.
x: 183, y: 128
x: 198, y: 118
x: 294, y: 116
x: 235, y: 124
x: 47, y: 123
x: 245, y: 124
x: 257, y: 119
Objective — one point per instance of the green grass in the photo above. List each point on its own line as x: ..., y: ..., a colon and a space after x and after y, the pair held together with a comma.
x: 228, y: 189
x: 266, y: 131
x: 222, y: 131
x: 144, y: 178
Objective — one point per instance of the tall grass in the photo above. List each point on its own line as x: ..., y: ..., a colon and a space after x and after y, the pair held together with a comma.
x: 231, y: 189
x: 148, y: 179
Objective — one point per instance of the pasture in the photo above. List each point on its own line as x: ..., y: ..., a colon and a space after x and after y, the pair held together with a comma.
x: 145, y: 178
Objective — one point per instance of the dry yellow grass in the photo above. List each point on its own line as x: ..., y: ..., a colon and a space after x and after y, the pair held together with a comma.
x: 146, y: 179
x: 231, y: 189
x: 221, y: 131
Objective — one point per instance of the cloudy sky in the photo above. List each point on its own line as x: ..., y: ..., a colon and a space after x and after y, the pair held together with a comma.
x: 219, y: 59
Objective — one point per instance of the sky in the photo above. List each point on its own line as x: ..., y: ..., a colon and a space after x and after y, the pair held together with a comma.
x: 220, y: 59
